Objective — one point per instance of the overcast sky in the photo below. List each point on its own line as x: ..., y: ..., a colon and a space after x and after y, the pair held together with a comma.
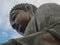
x: 6, y: 31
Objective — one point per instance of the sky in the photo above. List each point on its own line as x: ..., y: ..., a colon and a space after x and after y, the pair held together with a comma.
x: 6, y: 31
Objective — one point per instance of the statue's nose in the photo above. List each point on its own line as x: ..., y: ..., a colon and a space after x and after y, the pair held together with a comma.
x: 22, y: 18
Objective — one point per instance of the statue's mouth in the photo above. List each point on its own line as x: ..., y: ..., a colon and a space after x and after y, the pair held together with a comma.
x: 20, y: 28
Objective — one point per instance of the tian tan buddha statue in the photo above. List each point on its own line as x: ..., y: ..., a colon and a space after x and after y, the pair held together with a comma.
x: 39, y: 26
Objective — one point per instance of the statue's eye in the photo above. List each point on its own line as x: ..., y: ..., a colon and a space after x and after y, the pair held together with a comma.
x: 14, y: 16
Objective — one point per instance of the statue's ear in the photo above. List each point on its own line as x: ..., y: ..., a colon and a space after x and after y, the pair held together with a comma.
x: 29, y: 8
x: 32, y: 9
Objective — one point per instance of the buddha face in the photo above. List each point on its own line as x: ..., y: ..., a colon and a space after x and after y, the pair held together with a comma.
x: 20, y: 20
x: 20, y: 16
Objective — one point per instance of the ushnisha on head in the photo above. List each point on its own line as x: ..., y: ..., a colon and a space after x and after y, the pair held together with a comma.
x: 20, y: 16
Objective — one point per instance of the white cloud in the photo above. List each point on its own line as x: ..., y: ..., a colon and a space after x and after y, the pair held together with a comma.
x: 6, y: 6
x: 4, y: 23
x: 4, y: 15
x: 38, y: 2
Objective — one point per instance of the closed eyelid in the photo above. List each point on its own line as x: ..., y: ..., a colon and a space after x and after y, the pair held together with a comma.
x: 14, y: 15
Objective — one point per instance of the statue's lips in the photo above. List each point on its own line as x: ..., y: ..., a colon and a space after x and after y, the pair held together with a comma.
x: 19, y: 28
